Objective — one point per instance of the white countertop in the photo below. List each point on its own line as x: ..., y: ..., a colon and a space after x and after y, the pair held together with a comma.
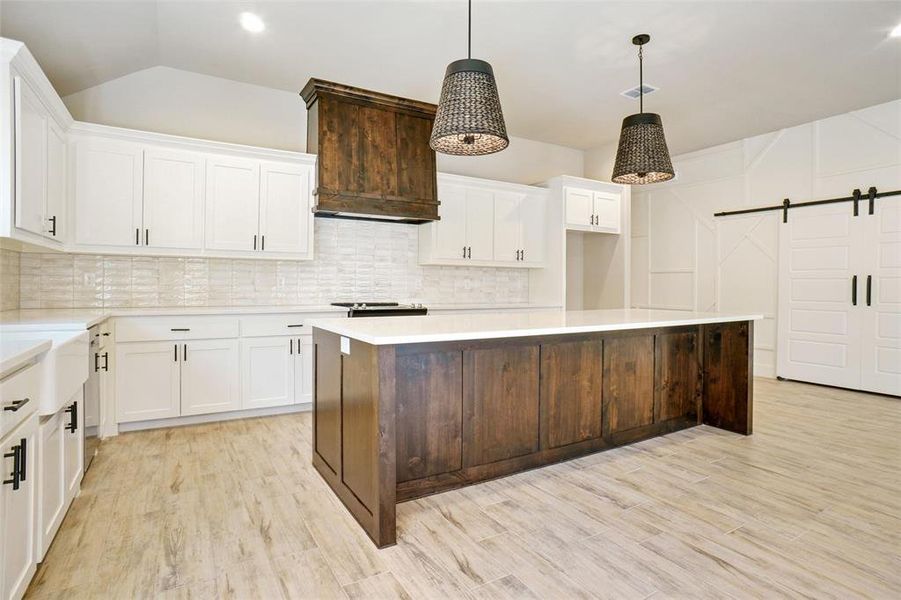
x: 445, y: 328
x: 16, y: 353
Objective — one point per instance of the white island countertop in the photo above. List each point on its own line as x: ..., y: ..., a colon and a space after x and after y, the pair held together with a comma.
x: 381, y: 331
x: 15, y: 353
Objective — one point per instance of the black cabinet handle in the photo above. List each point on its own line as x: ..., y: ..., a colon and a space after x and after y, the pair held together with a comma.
x: 254, y: 241
x: 469, y: 252
x: 106, y: 361
x: 146, y: 237
x: 522, y: 254
x: 16, y: 468
x: 262, y: 242
x: 96, y: 362
x: 869, y: 288
x: 175, y: 348
x: 138, y: 236
x: 73, y: 417
x: 23, y: 458
x: 854, y: 290
x: 298, y: 347
x: 184, y: 352
x: 53, y: 229
x: 15, y: 405
x: 464, y: 251
x: 180, y: 329
x: 296, y: 325
x: 291, y: 346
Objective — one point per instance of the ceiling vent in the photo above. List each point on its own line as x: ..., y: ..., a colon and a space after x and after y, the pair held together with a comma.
x: 636, y: 91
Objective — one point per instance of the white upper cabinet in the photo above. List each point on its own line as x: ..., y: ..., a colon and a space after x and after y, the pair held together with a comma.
x: 173, y: 199
x: 485, y: 223
x: 232, y: 204
x: 286, y: 217
x: 31, y: 168
x: 108, y: 193
x: 590, y: 210
x: 55, y: 207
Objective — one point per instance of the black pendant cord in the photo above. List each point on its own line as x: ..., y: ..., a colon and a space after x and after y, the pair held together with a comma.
x: 855, y: 197
x: 469, y: 32
x: 640, y: 79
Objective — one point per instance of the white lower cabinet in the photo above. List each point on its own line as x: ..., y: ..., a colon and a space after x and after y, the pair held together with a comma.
x: 147, y: 381
x: 276, y: 371
x: 17, y: 509
x: 73, y: 445
x: 303, y: 372
x: 209, y: 377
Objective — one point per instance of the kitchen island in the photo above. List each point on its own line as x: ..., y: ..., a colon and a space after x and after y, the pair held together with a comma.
x: 410, y: 406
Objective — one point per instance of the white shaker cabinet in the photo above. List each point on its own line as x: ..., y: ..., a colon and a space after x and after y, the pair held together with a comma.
x: 173, y: 199
x: 303, y: 370
x: 55, y: 207
x: 209, y: 376
x: 108, y: 192
x: 286, y: 217
x: 17, y: 509
x: 276, y: 371
x: 31, y: 126
x: 73, y: 445
x: 519, y: 228
x: 479, y: 225
x: 147, y: 381
x: 579, y: 205
x: 52, y: 477
x: 232, y: 204
x: 591, y: 210
x: 447, y: 238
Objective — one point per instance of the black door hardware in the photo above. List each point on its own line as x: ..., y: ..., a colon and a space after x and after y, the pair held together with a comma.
x: 296, y: 325
x: 175, y: 348
x: 96, y: 362
x: 72, y: 410
x: 254, y: 241
x: 180, y: 329
x: 464, y: 251
x: 469, y: 252
x: 854, y: 290
x: 23, y: 458
x: 855, y: 196
x: 262, y: 242
x: 184, y: 352
x: 138, y: 236
x: 17, y: 469
x: 53, y: 228
x: 291, y: 346
x: 15, y: 405
x: 146, y: 237
x: 106, y: 361
x: 869, y: 288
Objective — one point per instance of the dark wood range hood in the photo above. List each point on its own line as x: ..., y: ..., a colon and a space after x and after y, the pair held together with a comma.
x: 373, y: 156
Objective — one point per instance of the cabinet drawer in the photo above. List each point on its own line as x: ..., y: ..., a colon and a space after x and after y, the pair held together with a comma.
x: 13, y: 391
x: 287, y: 324
x: 150, y: 329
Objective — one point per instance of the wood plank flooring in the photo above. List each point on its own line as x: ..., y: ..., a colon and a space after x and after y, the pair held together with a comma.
x: 809, y: 506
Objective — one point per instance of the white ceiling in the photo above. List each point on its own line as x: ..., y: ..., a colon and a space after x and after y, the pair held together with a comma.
x: 726, y: 70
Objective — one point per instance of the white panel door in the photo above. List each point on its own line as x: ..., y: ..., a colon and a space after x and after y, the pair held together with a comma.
x: 209, y: 377
x: 303, y: 371
x: 286, y: 218
x: 579, y: 207
x: 173, y: 199
x: 30, y: 158
x: 881, y: 361
x: 267, y: 371
x: 232, y: 204
x: 533, y: 215
x: 55, y: 213
x: 450, y: 231
x: 51, y: 479
x: 147, y: 380
x: 17, y: 516
x: 73, y: 446
x: 507, y: 227
x: 108, y: 192
x: 606, y: 212
x: 479, y: 224
x: 820, y: 309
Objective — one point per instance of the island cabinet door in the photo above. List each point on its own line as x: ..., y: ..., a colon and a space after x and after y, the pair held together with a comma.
x: 327, y: 400
x: 571, y: 392
x: 628, y: 383
x: 429, y: 407
x: 500, y: 403
x: 677, y: 390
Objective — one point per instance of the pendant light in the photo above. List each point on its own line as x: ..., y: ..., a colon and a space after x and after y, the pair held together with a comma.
x: 469, y: 121
x: 642, y: 156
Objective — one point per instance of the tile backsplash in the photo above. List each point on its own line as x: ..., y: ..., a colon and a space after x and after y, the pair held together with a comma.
x: 9, y: 279
x: 355, y: 260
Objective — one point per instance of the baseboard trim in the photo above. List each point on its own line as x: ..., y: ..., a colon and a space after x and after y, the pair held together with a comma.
x: 215, y: 417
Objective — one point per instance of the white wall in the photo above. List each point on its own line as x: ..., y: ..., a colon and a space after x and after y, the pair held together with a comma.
x: 179, y: 102
x: 683, y: 257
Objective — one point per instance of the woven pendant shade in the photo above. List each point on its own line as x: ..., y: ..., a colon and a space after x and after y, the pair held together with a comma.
x: 642, y: 155
x: 469, y: 121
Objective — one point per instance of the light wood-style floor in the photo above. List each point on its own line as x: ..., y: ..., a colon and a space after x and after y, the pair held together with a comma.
x: 810, y: 505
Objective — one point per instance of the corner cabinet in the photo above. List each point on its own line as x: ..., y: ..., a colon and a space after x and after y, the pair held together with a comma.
x: 485, y: 223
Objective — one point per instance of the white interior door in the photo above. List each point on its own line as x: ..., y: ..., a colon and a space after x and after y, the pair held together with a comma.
x: 267, y: 371
x: 533, y: 218
x: 147, y: 380
x: 108, y: 192
x: 606, y: 211
x: 286, y: 220
x: 209, y: 376
x: 479, y: 224
x: 820, y: 308
x: 173, y: 199
x: 232, y: 204
x: 881, y: 361
x: 507, y: 227
x: 30, y: 158
x: 450, y: 230
x: 579, y: 207
x: 55, y: 214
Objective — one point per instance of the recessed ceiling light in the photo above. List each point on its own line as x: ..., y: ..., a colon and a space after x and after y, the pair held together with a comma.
x: 252, y: 22
x: 896, y: 32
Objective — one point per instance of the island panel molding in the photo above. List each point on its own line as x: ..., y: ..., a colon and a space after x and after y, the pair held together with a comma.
x: 394, y: 422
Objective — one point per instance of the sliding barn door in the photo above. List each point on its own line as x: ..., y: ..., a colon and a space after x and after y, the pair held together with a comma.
x: 820, y: 302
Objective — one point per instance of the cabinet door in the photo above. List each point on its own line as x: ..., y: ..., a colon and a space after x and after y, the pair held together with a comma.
x: 606, y: 211
x: 533, y: 218
x: 571, y: 392
x: 628, y: 383
x: 286, y: 218
x: 303, y: 370
x: 881, y: 333
x: 676, y: 378
x: 579, y: 207
x: 55, y: 214
x: 51, y: 479
x: 480, y: 224
x: 450, y: 230
x: 267, y: 371
x: 30, y: 159
x: 17, y: 516
x: 147, y: 380
x: 209, y: 377
x: 108, y: 192
x: 507, y: 227
x: 73, y: 446
x: 232, y: 204
x: 173, y: 199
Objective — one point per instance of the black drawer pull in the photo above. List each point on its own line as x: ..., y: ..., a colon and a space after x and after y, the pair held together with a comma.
x: 180, y: 329
x: 296, y: 325
x: 15, y: 405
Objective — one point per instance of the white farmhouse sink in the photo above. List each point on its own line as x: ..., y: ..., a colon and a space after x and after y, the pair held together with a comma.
x: 64, y: 368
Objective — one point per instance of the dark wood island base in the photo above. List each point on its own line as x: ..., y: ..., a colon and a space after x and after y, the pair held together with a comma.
x: 397, y: 422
